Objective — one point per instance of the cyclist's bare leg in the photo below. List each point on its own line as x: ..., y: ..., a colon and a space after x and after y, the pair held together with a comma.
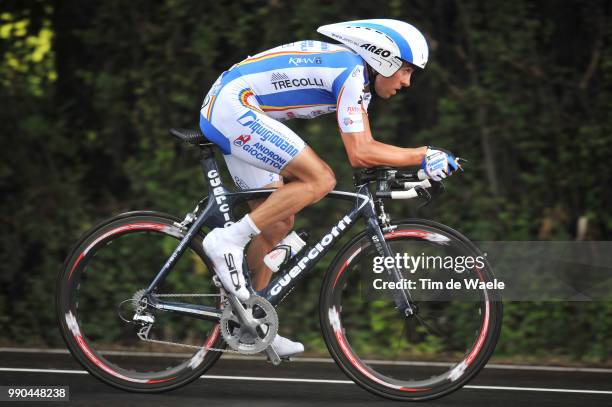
x: 309, y: 180
x: 264, y: 242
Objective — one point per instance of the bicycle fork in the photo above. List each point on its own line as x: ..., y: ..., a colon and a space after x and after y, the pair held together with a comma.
x: 402, y: 298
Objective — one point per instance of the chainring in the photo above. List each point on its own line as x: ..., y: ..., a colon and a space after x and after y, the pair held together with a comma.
x: 244, y: 342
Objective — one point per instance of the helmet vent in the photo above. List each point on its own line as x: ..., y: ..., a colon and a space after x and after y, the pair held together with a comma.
x: 371, y: 29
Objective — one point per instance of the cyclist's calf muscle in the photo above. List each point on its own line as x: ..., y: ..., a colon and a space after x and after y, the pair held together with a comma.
x: 264, y: 242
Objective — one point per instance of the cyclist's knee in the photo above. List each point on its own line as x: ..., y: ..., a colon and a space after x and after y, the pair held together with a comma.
x: 318, y: 177
x: 321, y: 185
x: 327, y: 182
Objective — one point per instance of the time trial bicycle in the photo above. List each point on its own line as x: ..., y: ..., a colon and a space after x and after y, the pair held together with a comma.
x: 140, y: 284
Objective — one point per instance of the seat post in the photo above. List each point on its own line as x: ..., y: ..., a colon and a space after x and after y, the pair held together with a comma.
x: 206, y: 151
x: 210, y: 168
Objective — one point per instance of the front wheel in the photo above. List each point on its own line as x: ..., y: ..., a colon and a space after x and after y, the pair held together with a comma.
x: 437, y: 349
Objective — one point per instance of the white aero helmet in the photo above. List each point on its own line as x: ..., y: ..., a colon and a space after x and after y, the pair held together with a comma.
x: 382, y: 43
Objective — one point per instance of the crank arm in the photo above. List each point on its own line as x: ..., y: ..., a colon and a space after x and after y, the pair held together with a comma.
x: 273, y: 356
x: 246, y: 321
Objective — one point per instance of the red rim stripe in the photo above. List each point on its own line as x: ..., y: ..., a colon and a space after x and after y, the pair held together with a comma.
x: 131, y: 226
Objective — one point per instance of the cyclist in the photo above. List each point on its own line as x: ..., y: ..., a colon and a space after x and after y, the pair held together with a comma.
x: 242, y: 114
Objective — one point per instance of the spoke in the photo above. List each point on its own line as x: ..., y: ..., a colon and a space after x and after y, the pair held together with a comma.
x: 428, y: 326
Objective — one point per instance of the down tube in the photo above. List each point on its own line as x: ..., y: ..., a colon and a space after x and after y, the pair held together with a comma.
x: 300, y: 265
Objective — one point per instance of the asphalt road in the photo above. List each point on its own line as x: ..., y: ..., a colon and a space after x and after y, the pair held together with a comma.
x: 258, y: 383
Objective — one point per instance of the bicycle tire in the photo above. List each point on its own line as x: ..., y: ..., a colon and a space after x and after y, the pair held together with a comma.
x: 364, y: 374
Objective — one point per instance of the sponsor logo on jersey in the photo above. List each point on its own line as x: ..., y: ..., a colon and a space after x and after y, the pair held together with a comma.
x: 247, y: 119
x: 242, y: 140
x: 247, y: 98
x: 306, y: 45
x: 253, y: 123
x: 349, y: 122
x: 375, y: 50
x: 305, y: 114
x: 305, y: 60
x: 267, y: 135
x: 279, y: 76
x: 282, y: 81
x: 269, y: 157
x: 352, y: 109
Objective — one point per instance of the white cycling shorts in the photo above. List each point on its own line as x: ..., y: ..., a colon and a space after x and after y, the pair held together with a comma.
x: 255, y: 147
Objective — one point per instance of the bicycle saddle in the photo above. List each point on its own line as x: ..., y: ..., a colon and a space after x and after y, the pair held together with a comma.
x: 191, y: 136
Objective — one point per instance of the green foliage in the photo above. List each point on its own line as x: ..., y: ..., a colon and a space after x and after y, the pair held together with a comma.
x: 521, y: 89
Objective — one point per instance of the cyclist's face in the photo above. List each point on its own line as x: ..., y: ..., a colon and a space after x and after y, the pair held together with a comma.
x: 387, y: 87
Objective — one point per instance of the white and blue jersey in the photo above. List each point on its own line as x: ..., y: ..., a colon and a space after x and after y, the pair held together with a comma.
x: 242, y: 111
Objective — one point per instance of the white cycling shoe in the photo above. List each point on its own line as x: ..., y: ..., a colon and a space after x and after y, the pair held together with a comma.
x: 226, y: 257
x: 286, y: 347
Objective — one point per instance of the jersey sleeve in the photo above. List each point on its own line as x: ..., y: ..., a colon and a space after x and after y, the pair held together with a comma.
x: 353, y: 100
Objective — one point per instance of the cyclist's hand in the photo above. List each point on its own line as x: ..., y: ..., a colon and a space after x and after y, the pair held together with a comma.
x: 439, y: 163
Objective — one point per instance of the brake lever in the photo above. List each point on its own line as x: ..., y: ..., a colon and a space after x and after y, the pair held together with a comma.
x: 423, y: 193
x: 437, y: 187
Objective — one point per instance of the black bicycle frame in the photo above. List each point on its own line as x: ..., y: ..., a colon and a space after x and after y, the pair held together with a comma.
x: 219, y: 213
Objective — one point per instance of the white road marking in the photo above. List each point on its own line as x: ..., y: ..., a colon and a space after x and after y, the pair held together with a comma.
x: 276, y: 379
x: 27, y: 370
x: 324, y: 360
x: 296, y: 380
x: 538, y: 389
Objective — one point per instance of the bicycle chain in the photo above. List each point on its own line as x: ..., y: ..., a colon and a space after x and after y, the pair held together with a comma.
x: 184, y: 345
x: 207, y: 349
x: 186, y: 295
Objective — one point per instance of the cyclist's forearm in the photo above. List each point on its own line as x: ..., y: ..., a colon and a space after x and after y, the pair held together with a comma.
x: 376, y: 153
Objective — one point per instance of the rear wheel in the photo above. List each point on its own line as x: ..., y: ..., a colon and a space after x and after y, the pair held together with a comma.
x: 95, y: 303
x: 416, y: 357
